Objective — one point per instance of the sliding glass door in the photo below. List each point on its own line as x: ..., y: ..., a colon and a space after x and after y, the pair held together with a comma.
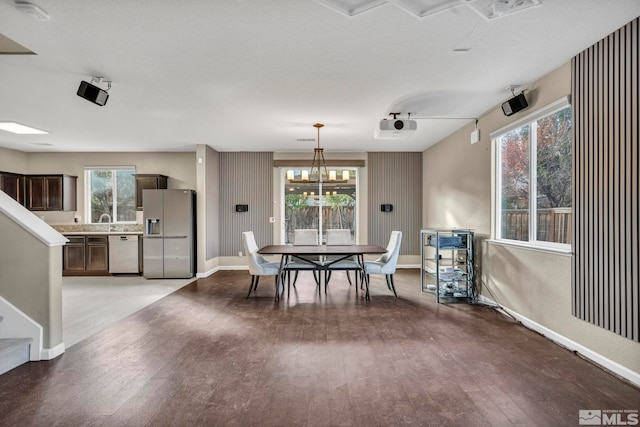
x: 321, y: 205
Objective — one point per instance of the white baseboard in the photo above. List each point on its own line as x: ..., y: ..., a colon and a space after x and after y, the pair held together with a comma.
x: 52, y: 353
x: 207, y: 273
x: 597, y: 358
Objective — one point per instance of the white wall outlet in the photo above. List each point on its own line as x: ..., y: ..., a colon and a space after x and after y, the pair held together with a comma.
x: 272, y: 219
x: 240, y: 253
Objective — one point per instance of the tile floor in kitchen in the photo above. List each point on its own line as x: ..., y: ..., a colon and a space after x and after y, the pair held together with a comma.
x: 91, y: 303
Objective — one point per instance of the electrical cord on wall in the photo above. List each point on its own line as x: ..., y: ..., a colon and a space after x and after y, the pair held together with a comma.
x: 497, y: 307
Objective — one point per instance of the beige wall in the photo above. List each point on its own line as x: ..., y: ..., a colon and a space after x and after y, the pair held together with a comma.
x: 26, y: 267
x: 207, y: 205
x: 13, y: 161
x: 179, y: 167
x: 534, y: 284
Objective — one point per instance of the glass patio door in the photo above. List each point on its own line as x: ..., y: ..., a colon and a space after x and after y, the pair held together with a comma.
x: 320, y: 205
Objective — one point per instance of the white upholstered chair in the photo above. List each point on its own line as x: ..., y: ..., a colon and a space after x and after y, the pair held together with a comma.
x: 258, y: 265
x: 339, y: 237
x: 386, y: 264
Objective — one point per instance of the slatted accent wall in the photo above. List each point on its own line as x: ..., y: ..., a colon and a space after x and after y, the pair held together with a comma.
x: 605, y: 99
x: 395, y: 178
x: 246, y: 178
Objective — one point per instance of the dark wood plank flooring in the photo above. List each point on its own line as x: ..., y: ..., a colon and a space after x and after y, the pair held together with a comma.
x: 205, y: 355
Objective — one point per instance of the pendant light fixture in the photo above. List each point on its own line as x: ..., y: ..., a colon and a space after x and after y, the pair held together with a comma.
x: 318, y: 171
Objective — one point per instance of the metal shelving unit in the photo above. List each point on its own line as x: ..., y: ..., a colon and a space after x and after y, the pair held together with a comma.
x: 446, y: 263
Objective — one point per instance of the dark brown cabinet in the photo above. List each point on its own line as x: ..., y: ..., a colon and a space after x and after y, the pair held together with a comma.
x: 97, y: 254
x: 51, y: 192
x: 13, y: 185
x: 86, y: 256
x: 73, y: 255
x: 148, y: 182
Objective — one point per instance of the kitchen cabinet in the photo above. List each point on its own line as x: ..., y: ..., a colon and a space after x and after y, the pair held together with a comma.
x: 13, y: 185
x: 51, y: 192
x: 97, y: 260
x: 148, y: 182
x: 73, y: 255
x: 86, y: 255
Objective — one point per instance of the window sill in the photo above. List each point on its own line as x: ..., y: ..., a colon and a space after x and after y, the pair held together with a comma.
x: 532, y: 247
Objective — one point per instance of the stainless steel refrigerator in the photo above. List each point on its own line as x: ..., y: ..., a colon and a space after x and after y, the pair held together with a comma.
x: 169, y: 234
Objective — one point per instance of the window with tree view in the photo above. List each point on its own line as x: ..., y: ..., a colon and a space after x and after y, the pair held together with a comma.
x: 321, y: 205
x: 534, y: 178
x: 111, y: 191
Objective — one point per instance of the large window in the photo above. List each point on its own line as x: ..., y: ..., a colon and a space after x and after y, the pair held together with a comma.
x: 534, y: 178
x: 320, y: 205
x: 111, y: 191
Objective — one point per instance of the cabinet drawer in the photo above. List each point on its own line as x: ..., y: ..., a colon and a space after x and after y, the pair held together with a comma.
x: 75, y: 239
x: 97, y: 240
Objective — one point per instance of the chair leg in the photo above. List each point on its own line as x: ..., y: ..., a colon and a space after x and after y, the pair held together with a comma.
x: 393, y: 286
x: 349, y: 277
x: 387, y: 276
x: 251, y: 285
x: 295, y: 278
x: 255, y: 284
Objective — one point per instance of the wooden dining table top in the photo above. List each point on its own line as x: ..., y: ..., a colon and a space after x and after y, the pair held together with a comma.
x: 321, y: 249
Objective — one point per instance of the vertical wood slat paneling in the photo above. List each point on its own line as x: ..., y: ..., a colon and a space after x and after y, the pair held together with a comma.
x: 245, y: 178
x: 606, y: 245
x: 395, y: 178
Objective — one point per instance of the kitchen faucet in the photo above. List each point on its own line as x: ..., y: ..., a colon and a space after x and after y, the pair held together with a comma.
x: 108, y: 217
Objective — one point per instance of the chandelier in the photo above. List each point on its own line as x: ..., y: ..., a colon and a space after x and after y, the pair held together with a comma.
x: 318, y: 171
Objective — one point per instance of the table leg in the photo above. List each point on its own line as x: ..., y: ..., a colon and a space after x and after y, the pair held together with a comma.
x: 279, y: 283
x: 366, y: 279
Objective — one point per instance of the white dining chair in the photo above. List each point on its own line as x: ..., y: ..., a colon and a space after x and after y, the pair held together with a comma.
x: 258, y: 265
x: 386, y: 264
x: 340, y: 237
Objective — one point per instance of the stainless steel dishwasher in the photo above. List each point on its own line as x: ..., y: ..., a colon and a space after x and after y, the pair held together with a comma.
x: 123, y: 253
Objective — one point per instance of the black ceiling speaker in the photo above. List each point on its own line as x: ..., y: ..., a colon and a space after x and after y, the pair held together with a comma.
x: 93, y: 93
x: 515, y: 104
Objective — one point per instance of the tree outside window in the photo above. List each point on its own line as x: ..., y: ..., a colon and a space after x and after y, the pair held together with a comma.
x: 536, y: 159
x: 112, y: 192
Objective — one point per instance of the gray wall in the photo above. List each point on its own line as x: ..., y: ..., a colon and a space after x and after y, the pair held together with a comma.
x: 212, y: 202
x: 245, y: 178
x: 606, y: 279
x: 395, y: 178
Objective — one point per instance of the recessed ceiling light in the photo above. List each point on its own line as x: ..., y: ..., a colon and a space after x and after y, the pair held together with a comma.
x: 18, y: 128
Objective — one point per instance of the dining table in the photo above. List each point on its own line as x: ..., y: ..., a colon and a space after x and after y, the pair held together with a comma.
x: 321, y: 258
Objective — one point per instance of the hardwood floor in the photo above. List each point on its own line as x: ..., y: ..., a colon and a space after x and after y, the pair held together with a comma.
x: 205, y: 355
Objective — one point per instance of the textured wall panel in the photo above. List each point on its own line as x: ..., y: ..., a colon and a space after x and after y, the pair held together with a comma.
x: 246, y: 178
x: 396, y: 179
x: 606, y: 178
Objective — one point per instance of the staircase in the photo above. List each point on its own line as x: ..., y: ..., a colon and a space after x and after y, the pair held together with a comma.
x: 13, y: 352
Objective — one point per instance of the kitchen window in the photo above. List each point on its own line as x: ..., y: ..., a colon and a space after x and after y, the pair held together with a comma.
x: 110, y: 194
x: 533, y: 177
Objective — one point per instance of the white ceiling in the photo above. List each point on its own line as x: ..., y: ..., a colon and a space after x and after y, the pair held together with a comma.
x: 254, y: 75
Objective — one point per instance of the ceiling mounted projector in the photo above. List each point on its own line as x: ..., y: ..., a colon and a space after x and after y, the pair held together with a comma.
x: 395, y: 128
x: 93, y: 93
